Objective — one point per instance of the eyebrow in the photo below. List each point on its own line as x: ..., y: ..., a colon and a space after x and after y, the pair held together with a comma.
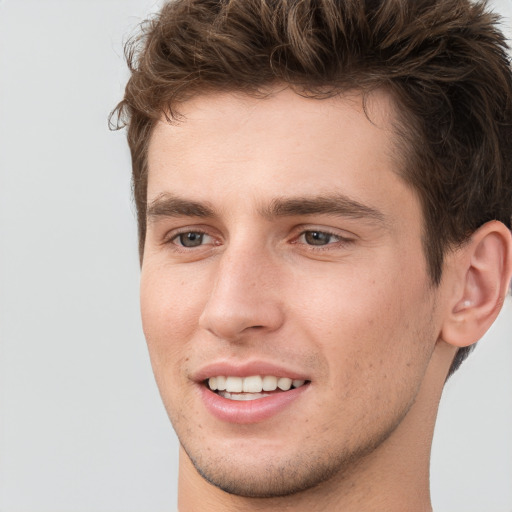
x: 340, y: 205
x: 168, y: 205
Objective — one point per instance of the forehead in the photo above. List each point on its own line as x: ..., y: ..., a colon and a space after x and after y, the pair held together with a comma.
x: 283, y: 130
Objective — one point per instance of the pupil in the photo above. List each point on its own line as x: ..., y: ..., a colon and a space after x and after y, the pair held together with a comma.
x: 317, y: 238
x: 191, y: 239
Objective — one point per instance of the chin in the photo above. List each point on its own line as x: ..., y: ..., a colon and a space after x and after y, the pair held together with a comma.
x: 284, y: 475
x: 267, y: 479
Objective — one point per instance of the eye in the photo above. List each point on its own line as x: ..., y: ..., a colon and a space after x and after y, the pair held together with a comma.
x: 318, y: 238
x: 191, y: 239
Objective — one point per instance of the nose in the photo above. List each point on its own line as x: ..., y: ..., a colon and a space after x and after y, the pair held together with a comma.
x: 244, y: 297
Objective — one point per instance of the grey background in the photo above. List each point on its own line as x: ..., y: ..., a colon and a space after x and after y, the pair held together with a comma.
x: 81, y: 424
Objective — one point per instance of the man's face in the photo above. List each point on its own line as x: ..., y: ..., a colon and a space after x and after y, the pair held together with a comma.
x: 282, y: 243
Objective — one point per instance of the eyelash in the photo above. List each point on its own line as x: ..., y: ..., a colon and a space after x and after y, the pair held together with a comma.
x: 340, y: 241
x: 170, y: 240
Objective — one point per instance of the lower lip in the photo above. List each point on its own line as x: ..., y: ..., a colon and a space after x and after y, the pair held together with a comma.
x: 250, y: 411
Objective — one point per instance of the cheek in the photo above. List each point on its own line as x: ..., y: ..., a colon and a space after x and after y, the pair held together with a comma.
x: 377, y: 341
x: 397, y: 339
x: 170, y: 310
x: 369, y: 321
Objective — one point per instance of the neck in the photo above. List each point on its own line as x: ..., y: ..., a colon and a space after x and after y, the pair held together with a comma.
x: 393, y: 477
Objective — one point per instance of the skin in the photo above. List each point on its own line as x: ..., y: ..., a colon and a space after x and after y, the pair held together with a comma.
x: 357, y: 315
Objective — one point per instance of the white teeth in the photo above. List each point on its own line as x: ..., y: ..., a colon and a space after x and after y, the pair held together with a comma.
x: 252, y: 384
x: 269, y: 383
x: 234, y: 384
x: 284, y: 383
x: 221, y: 383
x: 243, y: 396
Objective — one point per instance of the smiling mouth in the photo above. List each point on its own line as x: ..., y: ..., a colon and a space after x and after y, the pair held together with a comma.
x: 252, y: 387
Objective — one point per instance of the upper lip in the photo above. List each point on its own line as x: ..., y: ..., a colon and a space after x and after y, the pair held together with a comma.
x: 245, y: 369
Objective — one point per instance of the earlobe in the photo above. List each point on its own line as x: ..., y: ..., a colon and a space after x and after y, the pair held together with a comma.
x: 483, y: 271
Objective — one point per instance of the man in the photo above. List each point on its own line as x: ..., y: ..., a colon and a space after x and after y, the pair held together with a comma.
x: 324, y: 196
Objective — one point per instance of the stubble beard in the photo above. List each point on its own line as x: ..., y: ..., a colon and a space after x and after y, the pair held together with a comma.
x: 312, y: 468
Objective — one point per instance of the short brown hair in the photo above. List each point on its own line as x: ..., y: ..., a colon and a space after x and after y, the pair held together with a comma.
x: 443, y: 61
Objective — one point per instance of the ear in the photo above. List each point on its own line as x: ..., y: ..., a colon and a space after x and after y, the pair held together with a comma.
x: 481, y: 272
